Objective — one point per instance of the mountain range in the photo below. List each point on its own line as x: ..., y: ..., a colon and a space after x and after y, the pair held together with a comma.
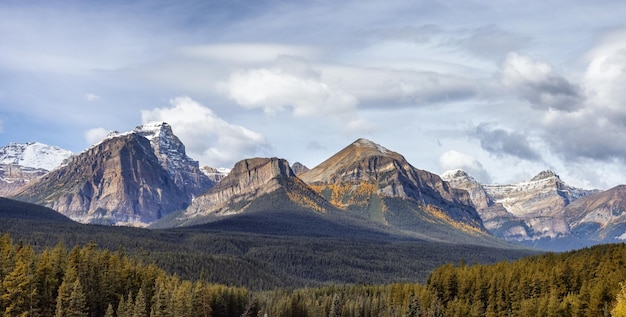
x: 143, y: 177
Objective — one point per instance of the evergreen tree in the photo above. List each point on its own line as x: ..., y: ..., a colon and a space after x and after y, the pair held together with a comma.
x: 65, y: 291
x: 77, y: 303
x: 109, y: 312
x: 414, y: 309
x: 19, y: 289
x: 336, y: 307
x: 620, y: 306
x: 139, y: 309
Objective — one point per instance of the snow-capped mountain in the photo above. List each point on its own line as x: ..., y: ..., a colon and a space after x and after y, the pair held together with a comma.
x: 34, y: 155
x: 524, y: 211
x: 171, y: 153
x: 131, y: 178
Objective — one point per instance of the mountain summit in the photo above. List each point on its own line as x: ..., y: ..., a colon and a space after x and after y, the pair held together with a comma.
x: 379, y: 184
x: 253, y: 185
x: 125, y: 179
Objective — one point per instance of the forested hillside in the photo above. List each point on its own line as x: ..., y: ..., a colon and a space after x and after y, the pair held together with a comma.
x: 88, y: 281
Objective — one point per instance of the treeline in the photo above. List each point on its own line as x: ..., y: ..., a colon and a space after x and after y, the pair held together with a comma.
x: 90, y: 282
x: 587, y: 282
x: 577, y: 283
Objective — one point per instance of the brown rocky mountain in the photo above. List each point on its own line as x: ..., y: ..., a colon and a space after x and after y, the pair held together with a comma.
x: 599, y: 217
x: 118, y: 181
x: 298, y: 168
x: 13, y: 177
x: 379, y: 184
x: 257, y: 184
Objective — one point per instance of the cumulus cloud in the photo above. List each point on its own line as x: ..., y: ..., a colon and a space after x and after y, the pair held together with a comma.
x: 539, y: 84
x: 456, y: 160
x: 207, y: 137
x: 606, y: 73
x: 292, y: 85
x: 587, y: 134
x: 95, y: 135
x: 502, y: 142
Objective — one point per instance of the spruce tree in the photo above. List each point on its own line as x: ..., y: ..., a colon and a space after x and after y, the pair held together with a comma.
x: 77, y: 306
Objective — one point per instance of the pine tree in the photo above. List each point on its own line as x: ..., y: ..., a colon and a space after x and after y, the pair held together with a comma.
x: 65, y: 291
x: 139, y: 309
x: 78, y: 303
x: 414, y: 309
x: 336, y: 307
x: 109, y: 312
x: 19, y: 289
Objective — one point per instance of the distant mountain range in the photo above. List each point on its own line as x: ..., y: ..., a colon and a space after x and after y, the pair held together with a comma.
x: 143, y: 177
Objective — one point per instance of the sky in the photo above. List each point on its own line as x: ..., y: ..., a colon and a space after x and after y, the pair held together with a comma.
x: 501, y: 89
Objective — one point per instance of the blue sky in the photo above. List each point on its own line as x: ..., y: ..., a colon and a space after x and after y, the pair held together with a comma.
x: 502, y: 89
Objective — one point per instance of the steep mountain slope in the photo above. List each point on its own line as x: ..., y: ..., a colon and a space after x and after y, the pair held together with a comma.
x: 374, y: 182
x: 171, y: 153
x: 524, y: 211
x: 118, y: 181
x: 13, y: 177
x: 34, y: 155
x: 257, y: 184
x: 21, y: 163
x: 599, y: 217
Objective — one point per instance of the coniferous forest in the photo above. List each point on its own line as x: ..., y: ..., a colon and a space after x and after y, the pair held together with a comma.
x: 89, y: 281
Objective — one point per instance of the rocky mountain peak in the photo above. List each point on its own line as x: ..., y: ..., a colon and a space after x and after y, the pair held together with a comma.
x: 249, y: 179
x: 172, y: 155
x: 118, y: 181
x: 369, y: 144
x: 299, y: 168
x: 545, y: 175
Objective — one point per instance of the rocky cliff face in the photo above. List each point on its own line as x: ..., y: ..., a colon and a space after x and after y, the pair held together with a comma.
x: 366, y: 177
x: 601, y: 216
x: 118, y: 181
x: 523, y: 211
x: 246, y: 187
x: 13, y: 177
x: 170, y: 152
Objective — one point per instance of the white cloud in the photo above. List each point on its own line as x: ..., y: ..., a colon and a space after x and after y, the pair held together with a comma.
x: 275, y: 89
x: 539, y: 84
x: 95, y: 135
x: 456, y: 160
x: 207, y: 137
x: 606, y: 74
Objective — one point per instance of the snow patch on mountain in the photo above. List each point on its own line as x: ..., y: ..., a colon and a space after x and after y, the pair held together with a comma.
x: 368, y: 143
x: 33, y: 154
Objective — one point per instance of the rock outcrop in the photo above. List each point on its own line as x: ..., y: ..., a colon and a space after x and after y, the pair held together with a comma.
x: 256, y: 184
